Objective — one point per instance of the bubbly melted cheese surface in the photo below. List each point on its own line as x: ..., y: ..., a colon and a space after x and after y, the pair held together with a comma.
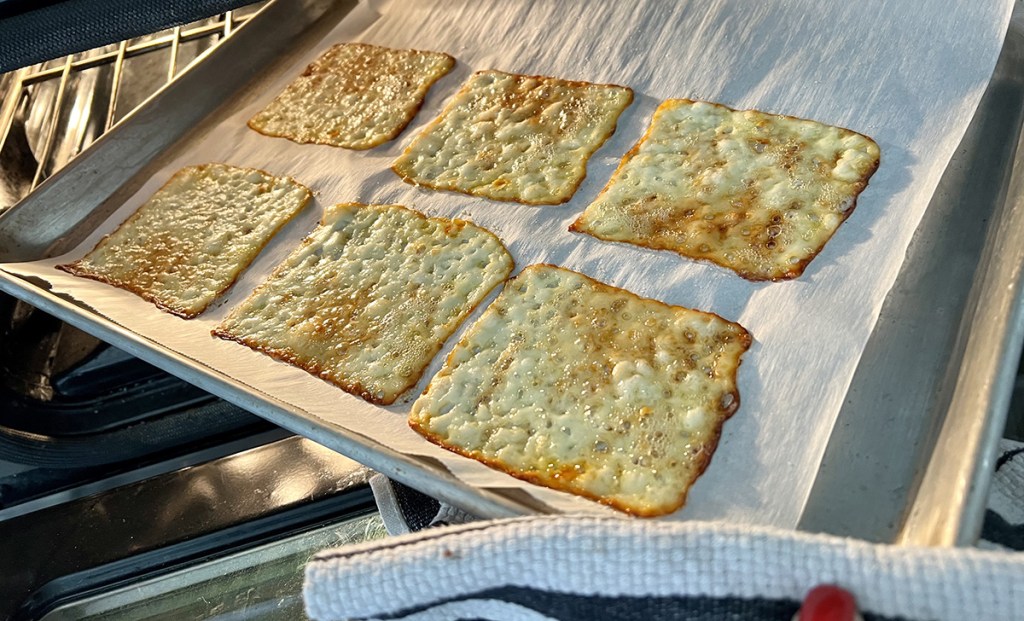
x: 370, y: 296
x: 757, y: 193
x: 582, y: 387
x: 191, y: 240
x: 515, y: 137
x: 355, y: 96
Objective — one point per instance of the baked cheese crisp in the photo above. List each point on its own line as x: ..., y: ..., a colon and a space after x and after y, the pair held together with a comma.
x: 189, y: 242
x: 757, y: 193
x: 370, y: 296
x: 515, y: 137
x: 355, y: 96
x: 586, y: 388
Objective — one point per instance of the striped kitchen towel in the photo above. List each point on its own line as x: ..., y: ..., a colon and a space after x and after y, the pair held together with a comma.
x: 573, y: 568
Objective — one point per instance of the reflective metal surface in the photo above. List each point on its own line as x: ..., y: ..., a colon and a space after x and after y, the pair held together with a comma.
x: 902, y: 394
x: 135, y: 528
x: 264, y: 583
x: 52, y: 111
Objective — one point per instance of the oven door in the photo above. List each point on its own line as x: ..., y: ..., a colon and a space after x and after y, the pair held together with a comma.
x: 253, y: 516
x: 116, y: 477
x: 264, y: 582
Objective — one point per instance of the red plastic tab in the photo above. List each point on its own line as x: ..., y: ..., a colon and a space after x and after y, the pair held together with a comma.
x: 828, y: 602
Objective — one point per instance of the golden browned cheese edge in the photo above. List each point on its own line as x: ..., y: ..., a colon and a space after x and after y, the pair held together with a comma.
x: 356, y: 388
x: 376, y: 142
x: 75, y: 268
x: 559, y: 200
x: 701, y: 466
x: 796, y: 270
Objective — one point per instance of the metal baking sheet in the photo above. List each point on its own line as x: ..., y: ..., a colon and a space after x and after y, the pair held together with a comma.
x: 116, y: 179
x: 944, y: 353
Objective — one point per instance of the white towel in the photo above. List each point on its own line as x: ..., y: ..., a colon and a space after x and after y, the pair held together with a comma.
x: 586, y: 567
x: 599, y: 568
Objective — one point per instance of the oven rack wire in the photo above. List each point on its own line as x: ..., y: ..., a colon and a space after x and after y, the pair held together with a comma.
x: 52, y: 111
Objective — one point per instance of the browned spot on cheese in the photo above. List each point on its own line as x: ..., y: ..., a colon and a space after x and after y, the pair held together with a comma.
x: 354, y: 95
x: 515, y: 137
x: 370, y: 296
x: 582, y: 387
x: 722, y: 179
x: 189, y: 242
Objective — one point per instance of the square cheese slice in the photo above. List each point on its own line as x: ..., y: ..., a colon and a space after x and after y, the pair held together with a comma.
x: 189, y: 242
x: 354, y: 95
x: 582, y: 387
x: 757, y: 193
x: 515, y: 137
x: 370, y: 296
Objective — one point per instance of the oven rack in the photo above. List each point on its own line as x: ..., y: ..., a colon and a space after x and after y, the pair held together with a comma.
x: 77, y: 110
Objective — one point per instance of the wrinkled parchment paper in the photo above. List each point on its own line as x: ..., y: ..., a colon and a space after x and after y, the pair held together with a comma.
x: 908, y: 74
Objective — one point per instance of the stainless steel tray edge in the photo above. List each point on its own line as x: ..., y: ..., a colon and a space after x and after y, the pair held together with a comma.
x: 421, y: 474
x: 927, y: 372
x: 963, y: 462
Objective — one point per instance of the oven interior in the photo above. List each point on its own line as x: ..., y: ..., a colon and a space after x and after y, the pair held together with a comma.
x: 113, y: 472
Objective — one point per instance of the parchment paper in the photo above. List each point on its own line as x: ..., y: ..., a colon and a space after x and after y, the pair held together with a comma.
x: 908, y: 74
